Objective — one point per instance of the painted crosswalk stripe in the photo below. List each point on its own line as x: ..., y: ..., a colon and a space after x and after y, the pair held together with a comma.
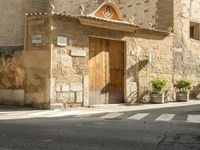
x: 83, y: 116
x: 138, y: 116
x: 193, y: 118
x: 111, y: 115
x: 165, y: 117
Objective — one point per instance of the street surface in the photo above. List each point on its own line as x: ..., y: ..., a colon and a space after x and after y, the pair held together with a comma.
x: 176, y: 128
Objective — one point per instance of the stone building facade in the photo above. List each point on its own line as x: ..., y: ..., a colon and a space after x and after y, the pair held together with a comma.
x: 69, y: 65
x: 186, y: 41
x: 43, y: 73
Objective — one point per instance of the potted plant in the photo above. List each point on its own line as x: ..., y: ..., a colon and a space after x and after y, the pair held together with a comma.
x: 183, y: 86
x: 158, y: 87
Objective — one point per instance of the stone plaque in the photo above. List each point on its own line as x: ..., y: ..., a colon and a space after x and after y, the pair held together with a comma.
x: 78, y: 53
x: 65, y: 88
x: 75, y: 87
x: 61, y: 41
x: 37, y: 39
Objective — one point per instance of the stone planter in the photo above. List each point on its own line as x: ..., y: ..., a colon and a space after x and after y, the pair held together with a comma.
x: 182, y: 96
x: 157, y: 98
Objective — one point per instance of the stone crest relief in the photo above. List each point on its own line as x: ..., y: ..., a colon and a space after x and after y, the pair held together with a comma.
x: 108, y: 12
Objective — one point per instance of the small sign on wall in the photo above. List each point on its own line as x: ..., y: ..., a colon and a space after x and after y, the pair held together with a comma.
x: 61, y: 41
x: 36, y: 38
x: 78, y: 53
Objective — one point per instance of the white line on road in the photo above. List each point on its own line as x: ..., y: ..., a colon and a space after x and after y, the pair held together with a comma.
x: 138, y: 116
x: 193, y: 118
x: 111, y: 115
x: 165, y: 117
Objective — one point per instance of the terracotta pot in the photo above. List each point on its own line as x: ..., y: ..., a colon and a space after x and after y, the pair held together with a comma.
x: 157, y: 98
x: 182, y: 96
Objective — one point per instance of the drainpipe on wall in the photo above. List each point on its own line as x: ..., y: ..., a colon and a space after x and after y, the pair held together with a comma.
x: 150, y: 57
x: 51, y: 80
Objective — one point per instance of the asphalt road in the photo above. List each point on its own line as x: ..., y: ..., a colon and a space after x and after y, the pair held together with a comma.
x: 96, y: 133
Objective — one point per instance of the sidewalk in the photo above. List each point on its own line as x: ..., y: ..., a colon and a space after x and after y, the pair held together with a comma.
x: 134, y: 107
x: 9, y: 112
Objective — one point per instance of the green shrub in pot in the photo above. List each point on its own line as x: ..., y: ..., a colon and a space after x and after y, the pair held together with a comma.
x: 158, y: 88
x: 183, y: 87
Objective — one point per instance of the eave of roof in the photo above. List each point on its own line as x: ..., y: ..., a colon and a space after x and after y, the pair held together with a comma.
x: 78, y: 17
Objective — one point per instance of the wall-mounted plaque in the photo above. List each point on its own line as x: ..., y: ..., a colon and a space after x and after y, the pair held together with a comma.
x: 36, y: 38
x: 61, y: 41
x: 78, y: 53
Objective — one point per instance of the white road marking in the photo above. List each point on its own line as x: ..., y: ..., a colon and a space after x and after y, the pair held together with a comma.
x: 193, y: 118
x: 111, y: 115
x: 165, y: 117
x: 138, y: 116
x: 83, y: 116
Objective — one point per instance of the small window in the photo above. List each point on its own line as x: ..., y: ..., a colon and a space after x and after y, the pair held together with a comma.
x: 195, y: 30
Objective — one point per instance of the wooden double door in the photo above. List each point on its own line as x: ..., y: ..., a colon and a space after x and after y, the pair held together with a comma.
x: 106, y: 71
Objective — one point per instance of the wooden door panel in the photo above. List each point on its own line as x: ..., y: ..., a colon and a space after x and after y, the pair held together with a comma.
x: 106, y: 71
x: 116, y: 50
x: 97, y: 69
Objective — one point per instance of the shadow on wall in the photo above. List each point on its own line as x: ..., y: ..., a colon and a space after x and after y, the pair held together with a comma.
x: 195, y: 93
x: 133, y: 72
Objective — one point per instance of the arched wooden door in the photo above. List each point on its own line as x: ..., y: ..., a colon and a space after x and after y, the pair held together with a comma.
x: 106, y: 71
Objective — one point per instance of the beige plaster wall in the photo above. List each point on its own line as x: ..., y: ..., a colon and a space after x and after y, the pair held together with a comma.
x: 12, y: 78
x: 70, y: 74
x: 12, y: 20
x: 37, y: 62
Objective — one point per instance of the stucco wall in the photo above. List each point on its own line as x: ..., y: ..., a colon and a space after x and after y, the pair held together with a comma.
x: 70, y: 74
x: 37, y: 62
x: 12, y: 21
x: 12, y: 78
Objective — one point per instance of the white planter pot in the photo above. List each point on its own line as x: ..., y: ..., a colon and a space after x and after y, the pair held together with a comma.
x: 157, y: 98
x: 182, y: 96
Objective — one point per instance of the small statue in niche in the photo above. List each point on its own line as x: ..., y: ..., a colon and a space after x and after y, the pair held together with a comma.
x: 131, y: 19
x: 51, y: 8
x: 170, y: 29
x: 150, y: 25
x: 82, y: 10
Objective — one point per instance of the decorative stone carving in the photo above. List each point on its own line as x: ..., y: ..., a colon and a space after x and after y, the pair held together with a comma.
x: 51, y: 8
x: 82, y: 10
x: 131, y: 19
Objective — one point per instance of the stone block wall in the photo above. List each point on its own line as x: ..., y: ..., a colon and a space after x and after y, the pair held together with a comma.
x: 157, y: 12
x: 155, y: 60
x: 187, y: 50
x: 70, y: 73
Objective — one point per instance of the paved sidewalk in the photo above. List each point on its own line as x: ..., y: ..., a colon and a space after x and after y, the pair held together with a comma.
x: 134, y: 107
x: 10, y: 113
